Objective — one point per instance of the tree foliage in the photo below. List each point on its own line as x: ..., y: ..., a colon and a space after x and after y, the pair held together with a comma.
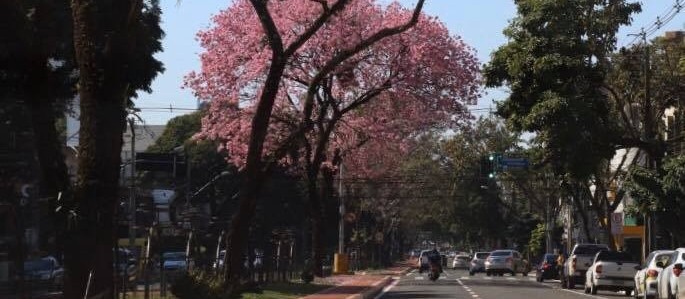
x: 555, y: 65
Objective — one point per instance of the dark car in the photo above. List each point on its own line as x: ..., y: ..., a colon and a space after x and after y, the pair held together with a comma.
x: 44, y: 273
x: 547, y: 269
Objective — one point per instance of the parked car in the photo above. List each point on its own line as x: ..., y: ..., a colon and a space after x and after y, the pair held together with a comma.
x: 670, y: 282
x: 478, y: 262
x: 45, y: 270
x: 505, y: 261
x: 612, y: 271
x: 547, y: 269
x: 461, y: 262
x: 174, y: 261
x: 126, y: 266
x: 646, y: 277
x: 578, y: 262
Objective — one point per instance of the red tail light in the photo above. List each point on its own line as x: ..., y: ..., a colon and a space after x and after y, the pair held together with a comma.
x: 598, y: 269
x: 677, y: 271
x: 652, y: 273
x: 546, y: 265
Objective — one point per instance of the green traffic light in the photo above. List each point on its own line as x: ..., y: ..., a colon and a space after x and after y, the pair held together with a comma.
x: 491, y: 175
x: 492, y: 157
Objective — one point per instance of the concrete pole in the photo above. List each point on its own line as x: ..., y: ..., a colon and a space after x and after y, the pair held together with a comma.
x: 132, y: 190
x: 341, y: 224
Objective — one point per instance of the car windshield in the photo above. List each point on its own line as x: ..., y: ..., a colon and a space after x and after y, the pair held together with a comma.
x: 663, y: 258
x: 613, y: 256
x: 500, y: 253
x: 174, y: 256
x: 482, y: 255
x: 38, y: 265
x: 588, y: 249
x: 463, y: 258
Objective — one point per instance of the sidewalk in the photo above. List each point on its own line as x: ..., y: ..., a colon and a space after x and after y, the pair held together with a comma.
x: 362, y: 285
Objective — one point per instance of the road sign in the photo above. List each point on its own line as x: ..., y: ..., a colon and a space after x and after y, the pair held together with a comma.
x: 616, y: 223
x: 513, y: 163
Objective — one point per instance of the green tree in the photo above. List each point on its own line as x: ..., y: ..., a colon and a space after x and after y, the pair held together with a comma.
x: 555, y: 64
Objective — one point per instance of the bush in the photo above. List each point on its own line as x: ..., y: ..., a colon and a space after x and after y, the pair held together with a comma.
x: 199, y: 284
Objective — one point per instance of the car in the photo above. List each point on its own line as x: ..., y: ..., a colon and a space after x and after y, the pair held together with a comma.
x: 670, y: 282
x: 646, y: 277
x: 577, y: 264
x: 126, y: 266
x: 547, y: 269
x: 174, y: 261
x: 461, y: 262
x: 505, y: 261
x: 612, y: 271
x: 478, y: 262
x: 46, y: 270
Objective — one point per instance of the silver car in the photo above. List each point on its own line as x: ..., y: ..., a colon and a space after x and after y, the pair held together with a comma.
x: 461, y: 262
x: 505, y: 261
x: 478, y: 262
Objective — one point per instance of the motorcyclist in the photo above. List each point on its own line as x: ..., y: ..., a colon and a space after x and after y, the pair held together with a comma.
x: 434, y: 258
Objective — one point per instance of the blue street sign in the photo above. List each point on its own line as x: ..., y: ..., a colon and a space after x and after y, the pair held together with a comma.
x: 513, y: 163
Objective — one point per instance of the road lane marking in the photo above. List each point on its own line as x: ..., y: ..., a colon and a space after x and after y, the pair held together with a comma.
x: 387, y: 289
x: 468, y: 289
x: 418, y: 278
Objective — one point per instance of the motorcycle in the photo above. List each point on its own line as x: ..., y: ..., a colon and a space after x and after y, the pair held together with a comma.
x: 434, y: 272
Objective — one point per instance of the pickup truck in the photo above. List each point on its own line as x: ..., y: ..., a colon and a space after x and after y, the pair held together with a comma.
x: 578, y: 262
x: 612, y: 271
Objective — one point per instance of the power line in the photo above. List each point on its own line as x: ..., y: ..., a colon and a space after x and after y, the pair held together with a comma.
x: 661, y: 21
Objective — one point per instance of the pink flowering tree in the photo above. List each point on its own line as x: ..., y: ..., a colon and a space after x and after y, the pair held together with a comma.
x: 366, y: 81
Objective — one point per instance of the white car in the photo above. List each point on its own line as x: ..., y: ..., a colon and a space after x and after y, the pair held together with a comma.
x: 612, y: 271
x: 461, y: 262
x: 646, y: 278
x: 671, y: 284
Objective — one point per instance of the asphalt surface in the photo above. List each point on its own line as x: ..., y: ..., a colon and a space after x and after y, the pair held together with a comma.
x: 458, y: 284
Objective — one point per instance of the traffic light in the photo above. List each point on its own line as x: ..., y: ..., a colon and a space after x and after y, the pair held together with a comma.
x: 490, y: 165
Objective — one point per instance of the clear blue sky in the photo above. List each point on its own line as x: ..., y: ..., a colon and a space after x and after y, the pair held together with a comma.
x: 479, y: 23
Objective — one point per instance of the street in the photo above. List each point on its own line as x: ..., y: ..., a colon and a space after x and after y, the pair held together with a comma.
x: 458, y: 284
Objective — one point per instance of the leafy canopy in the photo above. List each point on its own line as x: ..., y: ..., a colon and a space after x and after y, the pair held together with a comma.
x: 554, y: 65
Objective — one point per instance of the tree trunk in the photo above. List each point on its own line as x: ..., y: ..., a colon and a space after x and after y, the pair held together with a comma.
x: 100, y: 53
x: 316, y: 214
x: 254, y: 174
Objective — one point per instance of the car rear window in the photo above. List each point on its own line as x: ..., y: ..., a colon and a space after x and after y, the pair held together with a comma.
x: 613, y: 256
x: 500, y: 253
x: 463, y: 258
x: 588, y: 249
x: 482, y: 255
x: 550, y: 258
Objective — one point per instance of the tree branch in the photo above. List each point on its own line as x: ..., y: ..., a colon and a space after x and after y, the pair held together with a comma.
x: 320, y: 21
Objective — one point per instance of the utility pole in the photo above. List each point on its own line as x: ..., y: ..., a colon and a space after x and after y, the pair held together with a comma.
x: 341, y: 224
x: 340, y: 260
x: 132, y: 189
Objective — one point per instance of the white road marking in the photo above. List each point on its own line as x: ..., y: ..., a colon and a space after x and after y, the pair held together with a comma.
x: 387, y: 289
x: 418, y: 278
x: 467, y: 289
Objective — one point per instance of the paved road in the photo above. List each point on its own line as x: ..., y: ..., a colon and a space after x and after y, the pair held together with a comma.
x: 458, y: 284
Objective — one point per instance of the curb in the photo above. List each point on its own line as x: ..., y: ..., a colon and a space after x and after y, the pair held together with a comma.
x: 374, y: 290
